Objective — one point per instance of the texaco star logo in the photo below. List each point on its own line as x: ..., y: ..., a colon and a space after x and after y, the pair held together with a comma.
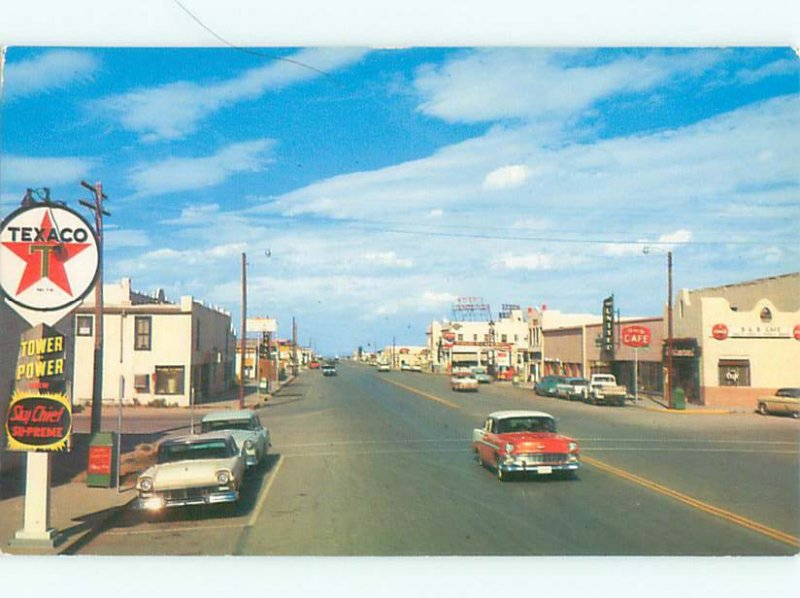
x: 48, y: 257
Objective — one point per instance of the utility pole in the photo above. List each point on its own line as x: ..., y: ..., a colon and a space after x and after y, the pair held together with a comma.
x: 244, y: 330
x: 668, y: 381
x: 394, y: 359
x: 97, y: 381
x: 294, y: 347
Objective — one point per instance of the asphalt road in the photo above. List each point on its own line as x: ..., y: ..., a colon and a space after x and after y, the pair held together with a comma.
x: 380, y: 464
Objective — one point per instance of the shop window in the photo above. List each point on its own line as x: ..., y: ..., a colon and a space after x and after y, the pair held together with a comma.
x: 503, y: 338
x: 143, y: 326
x: 734, y: 372
x: 169, y: 380
x: 141, y: 383
x: 475, y: 337
x: 84, y: 325
x: 461, y: 337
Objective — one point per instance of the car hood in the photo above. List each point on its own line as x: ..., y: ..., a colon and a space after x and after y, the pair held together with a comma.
x: 533, y: 442
x: 187, y: 474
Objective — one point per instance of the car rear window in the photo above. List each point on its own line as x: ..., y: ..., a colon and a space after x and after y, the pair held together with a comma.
x: 212, y: 449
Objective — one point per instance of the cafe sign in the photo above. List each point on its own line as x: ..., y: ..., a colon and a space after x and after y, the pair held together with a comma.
x: 636, y: 336
x: 722, y: 331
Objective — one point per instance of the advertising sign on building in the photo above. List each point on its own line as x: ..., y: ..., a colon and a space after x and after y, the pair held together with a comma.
x: 636, y: 336
x: 608, y: 324
x: 262, y: 325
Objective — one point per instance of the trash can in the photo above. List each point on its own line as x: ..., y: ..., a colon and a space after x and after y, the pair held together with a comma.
x: 101, y: 470
x: 679, y: 399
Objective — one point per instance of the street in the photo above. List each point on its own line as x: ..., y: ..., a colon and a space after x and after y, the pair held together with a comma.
x: 369, y: 463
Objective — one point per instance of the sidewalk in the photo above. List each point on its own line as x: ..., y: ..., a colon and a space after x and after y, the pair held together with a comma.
x: 78, y: 512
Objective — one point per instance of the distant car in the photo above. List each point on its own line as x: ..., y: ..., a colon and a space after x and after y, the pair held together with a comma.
x: 404, y: 367
x: 416, y: 368
x: 547, y: 385
x: 313, y: 365
x: 328, y: 369
x: 481, y: 375
x: 245, y: 427
x: 784, y: 401
x: 464, y: 381
x: 524, y: 442
x: 192, y: 470
x: 573, y: 389
x: 383, y: 367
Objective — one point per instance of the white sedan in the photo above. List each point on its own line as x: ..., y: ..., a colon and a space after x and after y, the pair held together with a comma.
x: 246, y: 429
x: 463, y: 381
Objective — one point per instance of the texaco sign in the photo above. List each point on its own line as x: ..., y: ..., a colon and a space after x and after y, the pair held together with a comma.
x: 49, y: 258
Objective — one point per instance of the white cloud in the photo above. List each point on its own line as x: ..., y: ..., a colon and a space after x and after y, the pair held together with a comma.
x: 530, y: 261
x: 44, y: 172
x: 511, y: 83
x: 175, y: 110
x: 389, y: 259
x: 506, y: 177
x: 48, y: 71
x: 770, y: 69
x: 664, y: 243
x: 186, y: 174
x: 436, y: 213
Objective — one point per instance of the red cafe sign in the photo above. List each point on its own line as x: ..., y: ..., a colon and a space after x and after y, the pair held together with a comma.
x: 636, y: 336
x: 719, y: 332
x: 796, y: 332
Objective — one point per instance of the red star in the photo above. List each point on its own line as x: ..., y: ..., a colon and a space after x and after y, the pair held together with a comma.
x: 45, y: 258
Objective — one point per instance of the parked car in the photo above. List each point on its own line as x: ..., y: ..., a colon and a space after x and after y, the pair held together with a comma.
x: 416, y: 368
x: 481, y: 375
x: 547, y: 385
x: 245, y: 427
x: 573, y: 389
x: 192, y: 470
x: 313, y: 365
x: 784, y: 401
x: 524, y: 442
x: 328, y: 369
x: 603, y: 389
x: 461, y: 381
x: 383, y: 367
x: 404, y: 367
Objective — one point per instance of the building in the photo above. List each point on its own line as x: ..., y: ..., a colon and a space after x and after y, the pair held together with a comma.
x: 154, y: 351
x: 567, y: 354
x: 734, y: 343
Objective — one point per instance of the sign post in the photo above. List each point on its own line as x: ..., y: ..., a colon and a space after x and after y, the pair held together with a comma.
x: 636, y: 337
x: 49, y: 260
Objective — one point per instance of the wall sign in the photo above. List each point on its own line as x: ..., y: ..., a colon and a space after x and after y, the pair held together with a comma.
x: 636, y: 336
x: 719, y: 332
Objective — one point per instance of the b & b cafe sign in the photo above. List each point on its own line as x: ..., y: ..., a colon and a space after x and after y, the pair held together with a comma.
x: 49, y: 261
x: 722, y: 332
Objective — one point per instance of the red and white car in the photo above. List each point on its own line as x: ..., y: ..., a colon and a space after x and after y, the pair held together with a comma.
x: 464, y: 381
x: 524, y: 442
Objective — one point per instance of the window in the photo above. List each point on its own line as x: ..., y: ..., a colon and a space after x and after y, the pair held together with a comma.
x: 503, y: 338
x: 197, y: 337
x: 84, y: 325
x: 734, y: 372
x: 516, y: 337
x: 475, y: 337
x: 461, y: 337
x: 169, y: 380
x: 486, y: 338
x: 143, y: 330
x: 141, y: 383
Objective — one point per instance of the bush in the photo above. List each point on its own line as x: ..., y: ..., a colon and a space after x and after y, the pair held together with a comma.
x: 160, y: 403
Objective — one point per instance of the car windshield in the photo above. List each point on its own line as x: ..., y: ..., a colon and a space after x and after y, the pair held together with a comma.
x: 192, y: 451
x: 227, y: 424
x: 526, y: 424
x: 788, y: 392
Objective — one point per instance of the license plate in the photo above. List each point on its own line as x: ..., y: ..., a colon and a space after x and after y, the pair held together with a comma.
x: 544, y: 469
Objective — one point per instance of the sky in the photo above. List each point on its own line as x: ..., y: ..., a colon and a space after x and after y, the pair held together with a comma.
x: 370, y: 188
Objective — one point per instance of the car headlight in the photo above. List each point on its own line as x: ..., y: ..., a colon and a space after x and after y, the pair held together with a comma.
x: 509, y: 448
x: 223, y: 477
x: 248, y: 444
x: 145, y: 484
x: 573, y: 446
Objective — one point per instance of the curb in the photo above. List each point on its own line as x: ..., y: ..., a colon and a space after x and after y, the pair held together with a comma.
x: 689, y: 411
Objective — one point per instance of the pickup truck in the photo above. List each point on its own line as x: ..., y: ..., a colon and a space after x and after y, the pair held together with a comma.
x: 573, y: 389
x: 603, y: 389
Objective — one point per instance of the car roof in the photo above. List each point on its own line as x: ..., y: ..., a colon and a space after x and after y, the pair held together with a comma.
x: 519, y: 413
x: 237, y: 415
x: 198, y: 438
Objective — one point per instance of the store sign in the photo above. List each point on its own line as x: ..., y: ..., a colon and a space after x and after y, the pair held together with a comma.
x: 636, y: 336
x: 684, y: 348
x: 608, y: 324
x: 719, y: 332
x: 796, y: 332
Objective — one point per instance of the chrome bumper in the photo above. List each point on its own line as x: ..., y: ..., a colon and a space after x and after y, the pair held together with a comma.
x: 538, y: 468
x: 157, y: 501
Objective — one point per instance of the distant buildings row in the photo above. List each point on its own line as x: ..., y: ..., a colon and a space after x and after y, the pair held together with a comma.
x: 731, y: 343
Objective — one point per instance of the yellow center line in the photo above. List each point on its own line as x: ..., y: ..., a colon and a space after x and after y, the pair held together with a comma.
x: 263, y: 497
x: 697, y: 504
x: 424, y: 395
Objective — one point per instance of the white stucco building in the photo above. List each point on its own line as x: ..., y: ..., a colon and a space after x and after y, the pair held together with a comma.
x: 153, y: 349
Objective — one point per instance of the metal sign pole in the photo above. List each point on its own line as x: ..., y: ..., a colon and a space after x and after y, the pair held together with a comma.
x: 636, y: 374
x: 119, y: 432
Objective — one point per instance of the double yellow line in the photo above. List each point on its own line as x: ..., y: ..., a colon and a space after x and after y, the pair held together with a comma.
x: 697, y: 504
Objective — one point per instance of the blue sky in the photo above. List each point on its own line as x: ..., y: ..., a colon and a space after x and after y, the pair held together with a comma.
x: 386, y: 183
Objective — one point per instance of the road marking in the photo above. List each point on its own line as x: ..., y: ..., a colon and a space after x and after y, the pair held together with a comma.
x: 422, y: 394
x: 698, y: 504
x: 162, y: 530
x: 686, y: 441
x: 263, y: 497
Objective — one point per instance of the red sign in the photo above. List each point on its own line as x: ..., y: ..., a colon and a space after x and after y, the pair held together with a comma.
x: 636, y: 336
x: 449, y: 336
x: 38, y: 422
x: 99, y: 460
x: 719, y: 332
x: 797, y: 332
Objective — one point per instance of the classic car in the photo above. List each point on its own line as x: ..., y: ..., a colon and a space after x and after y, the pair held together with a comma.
x: 192, y: 470
x: 603, y: 389
x: 246, y: 429
x: 416, y: 369
x: 383, y: 367
x: 573, y: 389
x: 313, y: 365
x: 404, y: 367
x: 784, y: 401
x: 328, y: 369
x: 524, y: 442
x: 481, y: 375
x: 464, y: 381
x: 547, y: 385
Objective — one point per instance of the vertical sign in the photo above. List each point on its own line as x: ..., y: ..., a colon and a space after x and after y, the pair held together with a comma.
x: 608, y: 324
